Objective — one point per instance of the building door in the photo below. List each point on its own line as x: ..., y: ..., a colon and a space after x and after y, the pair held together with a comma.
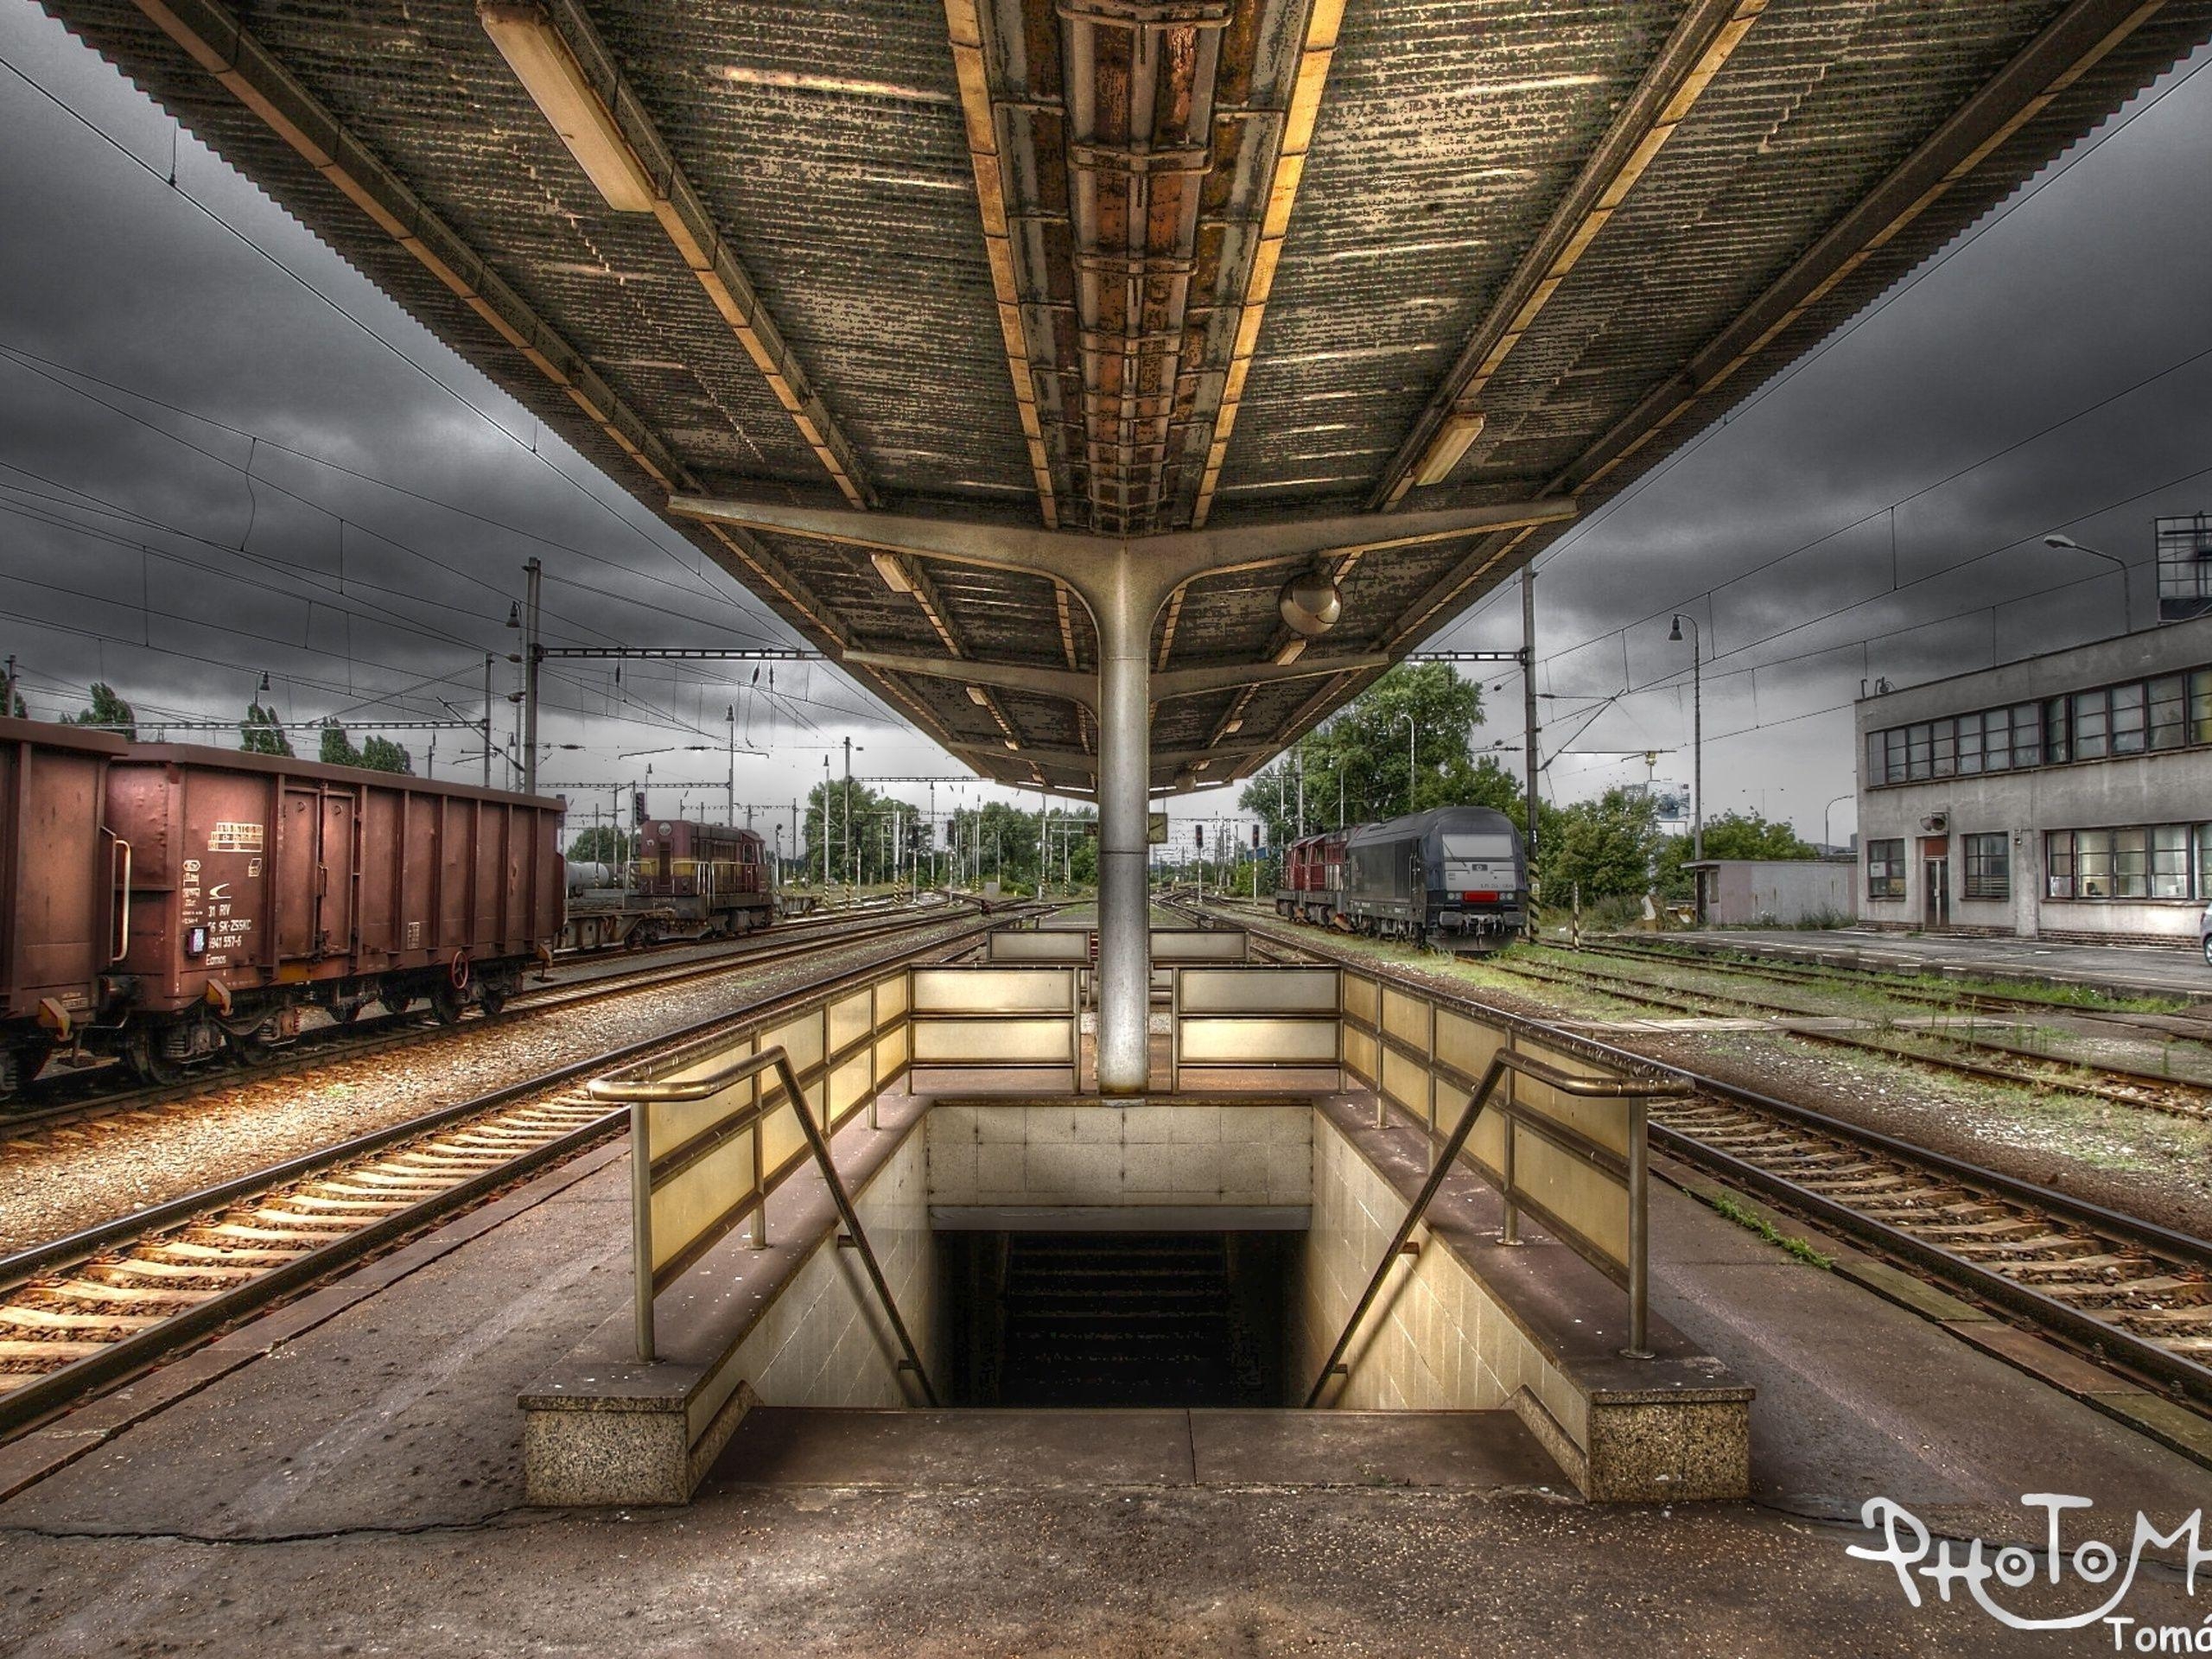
x: 1935, y: 869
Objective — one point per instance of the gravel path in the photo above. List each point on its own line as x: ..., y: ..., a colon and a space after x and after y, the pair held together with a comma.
x: 65, y: 1180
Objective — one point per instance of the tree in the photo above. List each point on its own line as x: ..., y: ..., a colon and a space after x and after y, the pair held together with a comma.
x: 260, y: 733
x: 337, y: 749
x: 16, y: 706
x: 109, y: 712
x: 1359, y: 759
x: 382, y: 754
x: 1603, y: 847
x: 1732, y: 835
x: 603, y: 844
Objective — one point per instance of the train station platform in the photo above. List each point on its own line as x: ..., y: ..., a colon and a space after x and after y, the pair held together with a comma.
x: 347, y: 1474
x: 2122, y: 970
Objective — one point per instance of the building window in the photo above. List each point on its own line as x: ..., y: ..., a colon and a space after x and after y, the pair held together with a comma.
x: 1886, y: 869
x: 1989, y: 867
x: 2090, y: 726
x: 2027, y: 736
x: 2160, y: 860
x: 2169, y: 711
x: 2170, y: 860
x: 2127, y: 727
x: 2146, y: 716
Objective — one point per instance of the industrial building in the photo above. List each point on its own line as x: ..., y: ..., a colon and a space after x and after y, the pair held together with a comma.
x: 2067, y: 796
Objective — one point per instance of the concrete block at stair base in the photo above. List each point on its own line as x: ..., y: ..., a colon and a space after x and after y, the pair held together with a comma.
x: 1650, y: 1451
x: 630, y: 1453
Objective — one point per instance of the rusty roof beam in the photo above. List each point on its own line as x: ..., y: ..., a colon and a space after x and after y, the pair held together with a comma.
x: 1316, y: 51
x: 690, y: 229
x: 1701, y: 42
x: 214, y: 39
x: 2066, y: 49
x: 971, y: 68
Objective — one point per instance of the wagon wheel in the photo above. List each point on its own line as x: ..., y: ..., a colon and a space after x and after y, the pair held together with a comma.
x: 149, y: 1061
x: 491, y: 998
x: 447, y: 1003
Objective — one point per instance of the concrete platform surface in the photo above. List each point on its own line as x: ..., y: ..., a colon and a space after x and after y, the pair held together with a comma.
x: 2157, y: 970
x: 1487, y: 1450
x: 359, y: 1491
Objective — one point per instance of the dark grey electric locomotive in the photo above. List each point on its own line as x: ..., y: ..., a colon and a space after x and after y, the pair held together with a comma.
x: 1453, y: 876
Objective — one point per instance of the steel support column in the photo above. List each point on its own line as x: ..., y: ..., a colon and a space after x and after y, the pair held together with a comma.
x: 1124, y: 600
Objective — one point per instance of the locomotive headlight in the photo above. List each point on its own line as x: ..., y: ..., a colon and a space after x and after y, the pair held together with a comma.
x: 1311, y: 602
x: 195, y: 941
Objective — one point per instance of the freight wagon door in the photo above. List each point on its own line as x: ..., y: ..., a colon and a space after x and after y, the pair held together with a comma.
x: 335, y: 921
x: 315, y: 875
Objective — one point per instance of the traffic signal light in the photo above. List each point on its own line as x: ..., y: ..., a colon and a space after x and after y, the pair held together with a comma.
x: 1199, y: 830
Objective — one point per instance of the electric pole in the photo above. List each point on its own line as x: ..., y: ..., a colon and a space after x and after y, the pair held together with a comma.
x: 530, y: 649
x: 1528, y: 693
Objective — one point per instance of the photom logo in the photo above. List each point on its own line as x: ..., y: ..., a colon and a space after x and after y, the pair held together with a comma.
x: 2095, y: 1566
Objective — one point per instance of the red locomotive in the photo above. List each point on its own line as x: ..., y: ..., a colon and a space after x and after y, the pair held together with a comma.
x: 1312, y: 877
x: 168, y: 903
x: 691, y: 880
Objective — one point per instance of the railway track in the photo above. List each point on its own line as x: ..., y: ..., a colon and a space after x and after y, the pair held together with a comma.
x: 80, y: 1312
x: 2180, y: 1026
x: 329, y: 1045
x: 2014, y: 1065
x: 2134, y: 1297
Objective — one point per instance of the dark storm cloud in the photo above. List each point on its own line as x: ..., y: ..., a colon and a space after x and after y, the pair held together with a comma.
x: 252, y: 526
x: 2055, y: 360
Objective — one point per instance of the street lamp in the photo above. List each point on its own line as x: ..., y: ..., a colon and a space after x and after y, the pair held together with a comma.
x: 1697, y: 730
x: 1410, y: 729
x: 1827, y: 834
x: 2127, y: 584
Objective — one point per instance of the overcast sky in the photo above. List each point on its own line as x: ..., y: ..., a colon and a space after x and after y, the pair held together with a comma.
x: 223, y: 453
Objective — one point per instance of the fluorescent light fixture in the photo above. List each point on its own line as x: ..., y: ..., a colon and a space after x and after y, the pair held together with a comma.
x: 980, y: 697
x: 1454, y: 439
x: 892, y: 569
x: 1015, y: 747
x: 1232, y: 729
x: 1291, y: 653
x: 547, y: 67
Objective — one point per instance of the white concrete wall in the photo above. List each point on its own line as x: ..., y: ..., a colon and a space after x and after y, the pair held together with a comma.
x: 825, y: 1342
x: 1779, y: 892
x: 1089, y: 1154
x: 1436, y: 1340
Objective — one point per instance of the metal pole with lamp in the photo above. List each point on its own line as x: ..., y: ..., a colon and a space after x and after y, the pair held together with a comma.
x: 1828, y: 833
x: 1697, y: 731
x: 2126, y: 582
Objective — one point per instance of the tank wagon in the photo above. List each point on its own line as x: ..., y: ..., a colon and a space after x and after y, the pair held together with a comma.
x: 168, y: 903
x: 1456, y: 877
x: 691, y: 880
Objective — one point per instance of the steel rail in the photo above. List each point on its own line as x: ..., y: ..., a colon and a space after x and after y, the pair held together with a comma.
x: 32, y: 1401
x: 333, y: 1045
x: 1634, y: 990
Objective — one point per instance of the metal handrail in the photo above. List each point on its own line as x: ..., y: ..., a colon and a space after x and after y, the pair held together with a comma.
x: 1635, y: 1090
x: 645, y: 1093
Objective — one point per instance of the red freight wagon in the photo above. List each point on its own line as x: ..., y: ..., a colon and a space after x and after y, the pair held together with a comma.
x: 58, y: 886
x: 238, y: 889
x: 260, y: 884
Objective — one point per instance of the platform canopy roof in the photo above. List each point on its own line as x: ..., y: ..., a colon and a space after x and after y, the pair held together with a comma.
x: 1127, y: 267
